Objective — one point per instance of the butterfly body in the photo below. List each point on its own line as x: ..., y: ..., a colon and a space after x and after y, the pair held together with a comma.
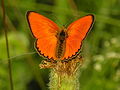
x: 58, y: 43
x: 61, y: 41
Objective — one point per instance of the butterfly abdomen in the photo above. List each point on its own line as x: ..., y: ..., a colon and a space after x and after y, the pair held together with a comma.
x: 60, y: 50
x: 61, y: 44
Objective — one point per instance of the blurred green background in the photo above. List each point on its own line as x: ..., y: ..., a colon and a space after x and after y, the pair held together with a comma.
x: 101, y: 48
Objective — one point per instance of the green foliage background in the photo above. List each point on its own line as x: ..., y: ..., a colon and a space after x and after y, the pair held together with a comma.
x: 101, y: 48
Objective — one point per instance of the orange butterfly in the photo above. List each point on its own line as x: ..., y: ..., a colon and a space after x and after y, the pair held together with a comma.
x: 58, y: 43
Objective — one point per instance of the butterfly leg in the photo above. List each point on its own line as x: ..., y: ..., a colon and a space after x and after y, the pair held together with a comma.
x: 79, y: 61
x: 49, y: 63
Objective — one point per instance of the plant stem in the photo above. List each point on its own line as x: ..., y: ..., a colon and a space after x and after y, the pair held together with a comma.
x: 63, y: 82
x: 7, y: 45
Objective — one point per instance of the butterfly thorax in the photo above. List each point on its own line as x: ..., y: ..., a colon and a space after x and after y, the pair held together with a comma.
x: 61, y: 36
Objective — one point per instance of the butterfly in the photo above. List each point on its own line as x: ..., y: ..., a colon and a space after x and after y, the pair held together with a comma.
x: 58, y: 43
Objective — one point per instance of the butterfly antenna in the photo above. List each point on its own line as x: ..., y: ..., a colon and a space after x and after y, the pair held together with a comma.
x: 55, y: 17
x: 68, y: 22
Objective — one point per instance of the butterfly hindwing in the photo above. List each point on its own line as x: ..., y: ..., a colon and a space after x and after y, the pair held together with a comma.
x: 44, y: 30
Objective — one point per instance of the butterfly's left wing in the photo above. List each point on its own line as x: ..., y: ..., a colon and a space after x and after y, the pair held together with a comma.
x: 44, y: 30
x: 77, y: 31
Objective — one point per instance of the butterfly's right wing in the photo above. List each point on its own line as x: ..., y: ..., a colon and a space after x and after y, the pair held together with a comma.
x: 77, y: 31
x: 44, y: 30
